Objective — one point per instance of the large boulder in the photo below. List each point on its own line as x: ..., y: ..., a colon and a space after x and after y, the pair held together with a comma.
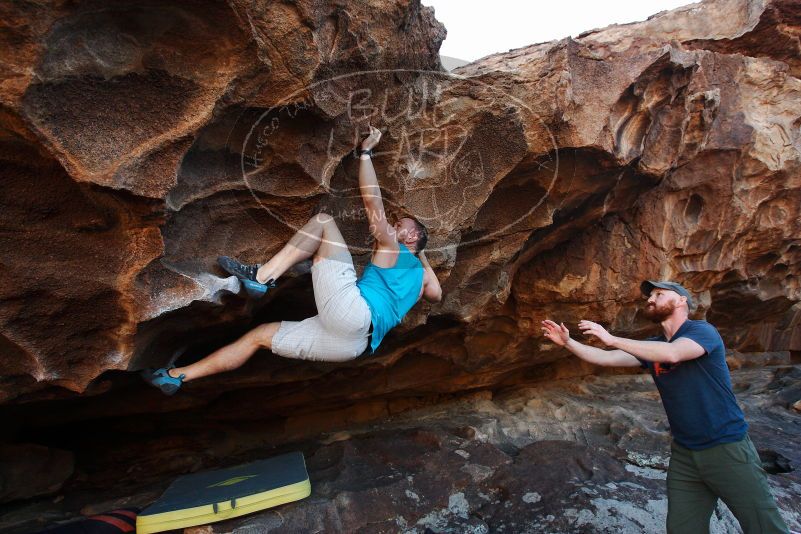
x: 140, y: 140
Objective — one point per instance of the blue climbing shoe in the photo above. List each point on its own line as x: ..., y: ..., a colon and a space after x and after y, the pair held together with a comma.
x: 161, y: 379
x: 255, y: 289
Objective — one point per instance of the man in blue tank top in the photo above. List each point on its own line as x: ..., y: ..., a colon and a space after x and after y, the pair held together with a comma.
x: 353, y: 315
x: 711, y: 454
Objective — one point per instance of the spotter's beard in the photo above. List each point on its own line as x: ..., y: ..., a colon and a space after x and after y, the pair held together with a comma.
x: 657, y: 314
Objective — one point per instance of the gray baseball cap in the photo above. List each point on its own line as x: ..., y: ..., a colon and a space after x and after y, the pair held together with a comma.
x: 649, y: 285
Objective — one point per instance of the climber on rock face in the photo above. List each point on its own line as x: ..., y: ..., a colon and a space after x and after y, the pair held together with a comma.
x: 354, y: 314
x: 711, y: 454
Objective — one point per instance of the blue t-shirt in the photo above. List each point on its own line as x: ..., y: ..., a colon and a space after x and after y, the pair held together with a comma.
x: 697, y: 394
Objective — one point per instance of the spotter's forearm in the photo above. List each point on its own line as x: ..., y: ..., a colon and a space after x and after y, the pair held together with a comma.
x: 653, y: 351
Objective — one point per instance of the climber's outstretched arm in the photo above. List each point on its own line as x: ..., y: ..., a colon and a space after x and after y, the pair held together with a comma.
x: 380, y: 228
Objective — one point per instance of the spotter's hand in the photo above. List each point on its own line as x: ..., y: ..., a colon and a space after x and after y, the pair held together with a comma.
x: 588, y: 328
x: 558, y: 333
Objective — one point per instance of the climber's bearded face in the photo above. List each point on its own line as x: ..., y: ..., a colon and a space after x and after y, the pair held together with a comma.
x: 406, y: 230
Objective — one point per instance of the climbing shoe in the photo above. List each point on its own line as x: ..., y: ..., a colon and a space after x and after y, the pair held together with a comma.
x: 161, y: 379
x: 255, y: 289
x: 241, y: 270
x: 247, y: 274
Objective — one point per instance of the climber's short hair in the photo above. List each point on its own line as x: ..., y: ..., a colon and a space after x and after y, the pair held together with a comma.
x: 422, y: 235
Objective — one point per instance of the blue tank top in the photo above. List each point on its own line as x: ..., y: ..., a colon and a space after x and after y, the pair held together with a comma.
x: 391, y: 292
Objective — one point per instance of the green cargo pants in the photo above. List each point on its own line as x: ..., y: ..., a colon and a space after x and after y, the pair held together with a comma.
x: 732, y: 472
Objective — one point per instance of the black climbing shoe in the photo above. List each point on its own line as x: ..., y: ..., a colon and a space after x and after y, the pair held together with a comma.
x: 239, y: 269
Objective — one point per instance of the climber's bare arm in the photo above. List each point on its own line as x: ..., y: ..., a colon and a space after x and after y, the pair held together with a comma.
x: 380, y: 228
x: 432, y: 291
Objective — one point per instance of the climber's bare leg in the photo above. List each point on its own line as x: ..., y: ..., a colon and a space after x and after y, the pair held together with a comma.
x: 320, y: 237
x: 230, y: 356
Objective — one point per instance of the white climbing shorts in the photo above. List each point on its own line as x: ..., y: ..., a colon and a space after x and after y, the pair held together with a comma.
x: 340, y: 330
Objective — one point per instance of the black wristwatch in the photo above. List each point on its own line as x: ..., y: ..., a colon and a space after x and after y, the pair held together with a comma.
x: 363, y: 151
